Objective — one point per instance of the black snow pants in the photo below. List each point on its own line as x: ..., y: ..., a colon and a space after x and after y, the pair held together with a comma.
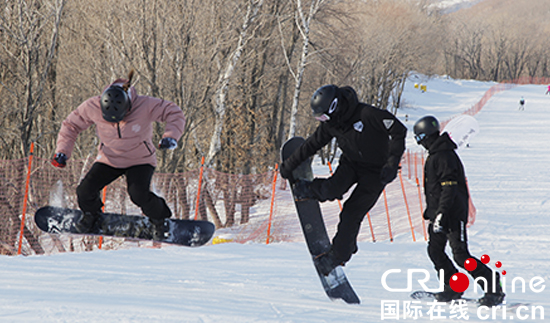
x: 361, y: 200
x: 138, y: 179
x: 458, y: 242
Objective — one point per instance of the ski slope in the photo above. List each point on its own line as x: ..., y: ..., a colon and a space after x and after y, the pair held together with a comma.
x: 509, y: 178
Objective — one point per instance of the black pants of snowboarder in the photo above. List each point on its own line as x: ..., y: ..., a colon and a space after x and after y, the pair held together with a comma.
x: 458, y: 242
x: 138, y: 180
x: 361, y: 200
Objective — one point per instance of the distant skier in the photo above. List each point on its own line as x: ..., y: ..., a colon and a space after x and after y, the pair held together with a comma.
x: 447, y: 209
x: 372, y: 143
x: 521, y: 104
x: 548, y: 91
x: 123, y: 122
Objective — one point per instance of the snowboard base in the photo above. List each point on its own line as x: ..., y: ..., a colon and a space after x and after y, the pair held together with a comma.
x: 336, y: 284
x: 57, y: 220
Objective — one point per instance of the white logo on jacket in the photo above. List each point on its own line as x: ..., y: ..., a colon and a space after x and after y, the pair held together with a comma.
x: 388, y: 123
x: 136, y: 128
x: 358, y: 126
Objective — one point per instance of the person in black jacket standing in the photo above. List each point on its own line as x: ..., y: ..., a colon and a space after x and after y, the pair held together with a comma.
x: 372, y: 143
x: 447, y: 209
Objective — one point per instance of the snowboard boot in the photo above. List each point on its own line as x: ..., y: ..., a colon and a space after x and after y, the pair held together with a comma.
x: 159, y: 230
x: 86, y: 222
x: 302, y: 191
x: 493, y: 299
x: 326, y: 262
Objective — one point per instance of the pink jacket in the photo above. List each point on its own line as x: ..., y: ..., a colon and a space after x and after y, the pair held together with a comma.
x: 129, y: 142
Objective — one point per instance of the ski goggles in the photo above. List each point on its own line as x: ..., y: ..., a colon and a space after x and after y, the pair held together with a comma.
x: 323, y: 117
x: 420, y: 137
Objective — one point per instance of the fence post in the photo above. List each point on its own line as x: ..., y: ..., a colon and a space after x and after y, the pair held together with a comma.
x: 25, y: 199
x: 409, y: 162
x: 104, y: 197
x: 273, y: 187
x: 371, y: 228
x: 407, y: 205
x: 199, y: 189
x: 388, y: 215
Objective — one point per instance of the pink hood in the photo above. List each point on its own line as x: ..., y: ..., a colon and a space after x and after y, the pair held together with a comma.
x: 129, y: 142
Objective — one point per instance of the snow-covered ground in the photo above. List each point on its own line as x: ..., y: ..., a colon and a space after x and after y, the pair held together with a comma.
x: 509, y: 177
x: 454, y: 5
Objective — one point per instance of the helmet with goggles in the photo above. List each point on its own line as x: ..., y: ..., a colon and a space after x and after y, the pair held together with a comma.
x: 324, y: 102
x: 425, y: 127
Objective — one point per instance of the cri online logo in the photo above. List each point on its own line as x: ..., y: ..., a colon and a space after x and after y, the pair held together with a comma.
x: 459, y: 282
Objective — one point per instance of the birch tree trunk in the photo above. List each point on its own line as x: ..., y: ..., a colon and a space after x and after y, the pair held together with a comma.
x: 303, y: 22
x: 221, y: 94
x: 25, y: 25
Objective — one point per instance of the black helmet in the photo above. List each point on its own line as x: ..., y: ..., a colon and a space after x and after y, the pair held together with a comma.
x: 324, y: 102
x: 425, y: 127
x: 115, y: 103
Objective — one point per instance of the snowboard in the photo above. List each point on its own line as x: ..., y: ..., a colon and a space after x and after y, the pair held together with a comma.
x: 336, y: 285
x: 462, y: 129
x: 188, y: 233
x: 429, y: 296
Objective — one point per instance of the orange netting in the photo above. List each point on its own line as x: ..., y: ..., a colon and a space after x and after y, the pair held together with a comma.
x: 244, y: 208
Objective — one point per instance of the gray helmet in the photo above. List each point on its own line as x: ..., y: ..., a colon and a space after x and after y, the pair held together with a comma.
x: 425, y: 127
x: 324, y: 102
x: 115, y: 103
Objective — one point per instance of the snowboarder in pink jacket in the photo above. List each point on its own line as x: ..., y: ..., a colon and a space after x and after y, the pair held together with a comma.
x: 124, y: 125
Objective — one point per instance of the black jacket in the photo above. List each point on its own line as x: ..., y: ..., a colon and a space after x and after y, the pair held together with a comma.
x: 445, y: 183
x: 368, y: 137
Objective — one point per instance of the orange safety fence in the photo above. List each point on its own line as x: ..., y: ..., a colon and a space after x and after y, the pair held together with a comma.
x: 499, y: 87
x: 244, y: 208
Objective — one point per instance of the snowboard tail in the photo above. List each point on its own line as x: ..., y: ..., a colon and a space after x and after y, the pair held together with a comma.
x: 336, y: 284
x: 189, y: 233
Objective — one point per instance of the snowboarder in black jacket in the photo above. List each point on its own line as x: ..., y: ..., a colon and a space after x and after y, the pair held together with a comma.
x: 447, y: 210
x: 372, y: 143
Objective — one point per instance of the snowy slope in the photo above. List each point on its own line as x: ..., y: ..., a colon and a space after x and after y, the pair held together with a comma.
x: 454, y: 5
x: 509, y: 177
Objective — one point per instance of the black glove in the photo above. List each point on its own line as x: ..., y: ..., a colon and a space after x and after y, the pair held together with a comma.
x: 168, y: 143
x: 59, y: 160
x: 286, y: 171
x: 389, y: 171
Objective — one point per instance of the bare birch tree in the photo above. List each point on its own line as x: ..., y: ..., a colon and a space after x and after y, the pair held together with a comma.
x: 303, y: 21
x: 252, y: 10
x: 30, y: 31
